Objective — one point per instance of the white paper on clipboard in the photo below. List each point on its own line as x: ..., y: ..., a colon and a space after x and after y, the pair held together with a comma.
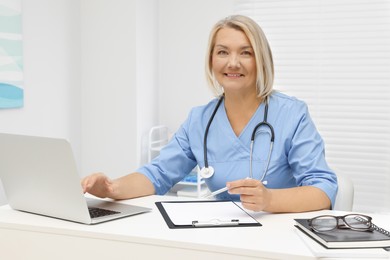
x: 186, y: 213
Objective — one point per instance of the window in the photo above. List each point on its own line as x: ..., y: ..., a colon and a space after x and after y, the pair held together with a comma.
x: 335, y: 55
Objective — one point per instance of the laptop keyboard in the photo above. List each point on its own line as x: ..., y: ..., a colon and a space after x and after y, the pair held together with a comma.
x: 98, y: 212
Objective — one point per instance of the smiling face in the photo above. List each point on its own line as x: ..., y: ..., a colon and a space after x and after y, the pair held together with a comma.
x: 233, y: 61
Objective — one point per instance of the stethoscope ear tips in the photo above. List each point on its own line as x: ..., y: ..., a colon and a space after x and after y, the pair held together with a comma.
x: 206, y: 172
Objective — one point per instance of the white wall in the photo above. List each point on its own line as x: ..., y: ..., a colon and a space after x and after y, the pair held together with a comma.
x: 147, y: 77
x: 141, y: 61
x: 51, y: 46
x: 184, y: 28
x: 100, y: 73
x: 108, y: 40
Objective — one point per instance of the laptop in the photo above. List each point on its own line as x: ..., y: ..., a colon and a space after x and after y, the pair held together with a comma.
x: 39, y: 175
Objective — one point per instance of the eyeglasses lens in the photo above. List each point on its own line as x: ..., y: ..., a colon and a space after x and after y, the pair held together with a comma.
x: 325, y: 223
x: 357, y: 222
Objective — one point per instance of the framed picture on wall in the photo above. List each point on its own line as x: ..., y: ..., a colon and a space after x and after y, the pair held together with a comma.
x: 11, y: 54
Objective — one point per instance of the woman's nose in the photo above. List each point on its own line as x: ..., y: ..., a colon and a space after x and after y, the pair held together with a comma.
x: 234, y: 61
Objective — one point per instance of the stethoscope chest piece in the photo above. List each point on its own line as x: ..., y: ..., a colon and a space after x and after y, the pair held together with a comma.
x: 206, y: 172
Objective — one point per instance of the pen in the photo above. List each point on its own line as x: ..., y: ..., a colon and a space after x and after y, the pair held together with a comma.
x: 223, y: 190
x: 216, y: 192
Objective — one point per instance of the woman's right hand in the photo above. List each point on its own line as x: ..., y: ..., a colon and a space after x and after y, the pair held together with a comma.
x: 98, y: 185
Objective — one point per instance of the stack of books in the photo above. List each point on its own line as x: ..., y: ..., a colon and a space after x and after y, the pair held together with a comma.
x: 347, y: 238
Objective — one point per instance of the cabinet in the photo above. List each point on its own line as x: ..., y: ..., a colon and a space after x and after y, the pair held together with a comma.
x: 192, y: 185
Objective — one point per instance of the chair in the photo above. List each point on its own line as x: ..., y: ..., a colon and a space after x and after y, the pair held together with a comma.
x: 345, y: 194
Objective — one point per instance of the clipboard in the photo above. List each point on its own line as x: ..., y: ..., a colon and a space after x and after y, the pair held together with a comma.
x: 205, y: 214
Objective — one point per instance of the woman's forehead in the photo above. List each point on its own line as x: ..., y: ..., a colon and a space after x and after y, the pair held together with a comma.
x: 227, y: 36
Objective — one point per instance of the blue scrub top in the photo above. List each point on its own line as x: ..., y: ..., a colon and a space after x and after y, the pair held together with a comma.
x: 297, y: 159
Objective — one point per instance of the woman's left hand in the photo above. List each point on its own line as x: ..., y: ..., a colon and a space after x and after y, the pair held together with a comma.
x: 253, y: 194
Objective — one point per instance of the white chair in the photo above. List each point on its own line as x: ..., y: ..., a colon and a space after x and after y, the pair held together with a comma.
x: 345, y: 194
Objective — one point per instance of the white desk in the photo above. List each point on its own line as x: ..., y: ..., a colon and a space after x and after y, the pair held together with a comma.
x: 146, y: 236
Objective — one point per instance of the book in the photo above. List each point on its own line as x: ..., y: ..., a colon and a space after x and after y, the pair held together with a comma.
x: 319, y: 251
x: 346, y: 238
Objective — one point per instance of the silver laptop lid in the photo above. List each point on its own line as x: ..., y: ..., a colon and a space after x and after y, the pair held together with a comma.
x: 39, y: 175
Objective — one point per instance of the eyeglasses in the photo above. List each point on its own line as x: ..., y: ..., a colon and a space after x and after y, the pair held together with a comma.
x: 356, y: 222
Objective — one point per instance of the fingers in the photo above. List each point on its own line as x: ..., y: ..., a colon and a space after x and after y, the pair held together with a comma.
x: 252, y: 206
x: 89, y: 182
x: 256, y: 202
x: 253, y: 194
x: 244, y: 186
x: 86, y: 183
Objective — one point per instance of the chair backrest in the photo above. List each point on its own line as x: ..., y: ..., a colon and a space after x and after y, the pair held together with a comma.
x: 345, y: 194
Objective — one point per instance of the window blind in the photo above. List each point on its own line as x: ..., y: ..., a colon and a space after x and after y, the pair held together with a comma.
x: 335, y: 55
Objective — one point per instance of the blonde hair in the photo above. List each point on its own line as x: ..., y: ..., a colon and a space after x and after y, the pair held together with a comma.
x: 262, y: 50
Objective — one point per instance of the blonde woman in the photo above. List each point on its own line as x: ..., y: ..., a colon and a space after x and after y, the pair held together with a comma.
x: 258, y: 143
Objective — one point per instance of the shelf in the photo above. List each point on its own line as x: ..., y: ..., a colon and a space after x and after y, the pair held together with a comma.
x: 188, y: 191
x: 156, y: 149
x: 188, y: 183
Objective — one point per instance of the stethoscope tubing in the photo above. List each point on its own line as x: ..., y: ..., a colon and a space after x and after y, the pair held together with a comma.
x: 206, y: 162
x: 263, y: 123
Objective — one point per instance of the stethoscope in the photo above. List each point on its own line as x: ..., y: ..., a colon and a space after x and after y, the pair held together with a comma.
x: 208, y: 171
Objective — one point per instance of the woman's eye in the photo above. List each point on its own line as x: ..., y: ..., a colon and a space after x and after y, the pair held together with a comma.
x: 222, y: 52
x: 246, y: 53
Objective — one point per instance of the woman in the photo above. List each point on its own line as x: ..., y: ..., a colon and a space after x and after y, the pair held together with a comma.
x: 291, y: 176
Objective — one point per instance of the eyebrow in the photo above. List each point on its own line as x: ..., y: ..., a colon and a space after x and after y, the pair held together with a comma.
x: 225, y: 47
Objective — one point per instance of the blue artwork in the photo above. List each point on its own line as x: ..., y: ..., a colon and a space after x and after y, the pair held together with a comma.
x: 11, y: 54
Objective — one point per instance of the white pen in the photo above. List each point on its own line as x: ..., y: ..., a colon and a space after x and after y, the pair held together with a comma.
x: 216, y: 192
x: 223, y: 190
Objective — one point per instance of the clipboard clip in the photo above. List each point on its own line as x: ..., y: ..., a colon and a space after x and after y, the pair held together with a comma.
x: 215, y: 222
